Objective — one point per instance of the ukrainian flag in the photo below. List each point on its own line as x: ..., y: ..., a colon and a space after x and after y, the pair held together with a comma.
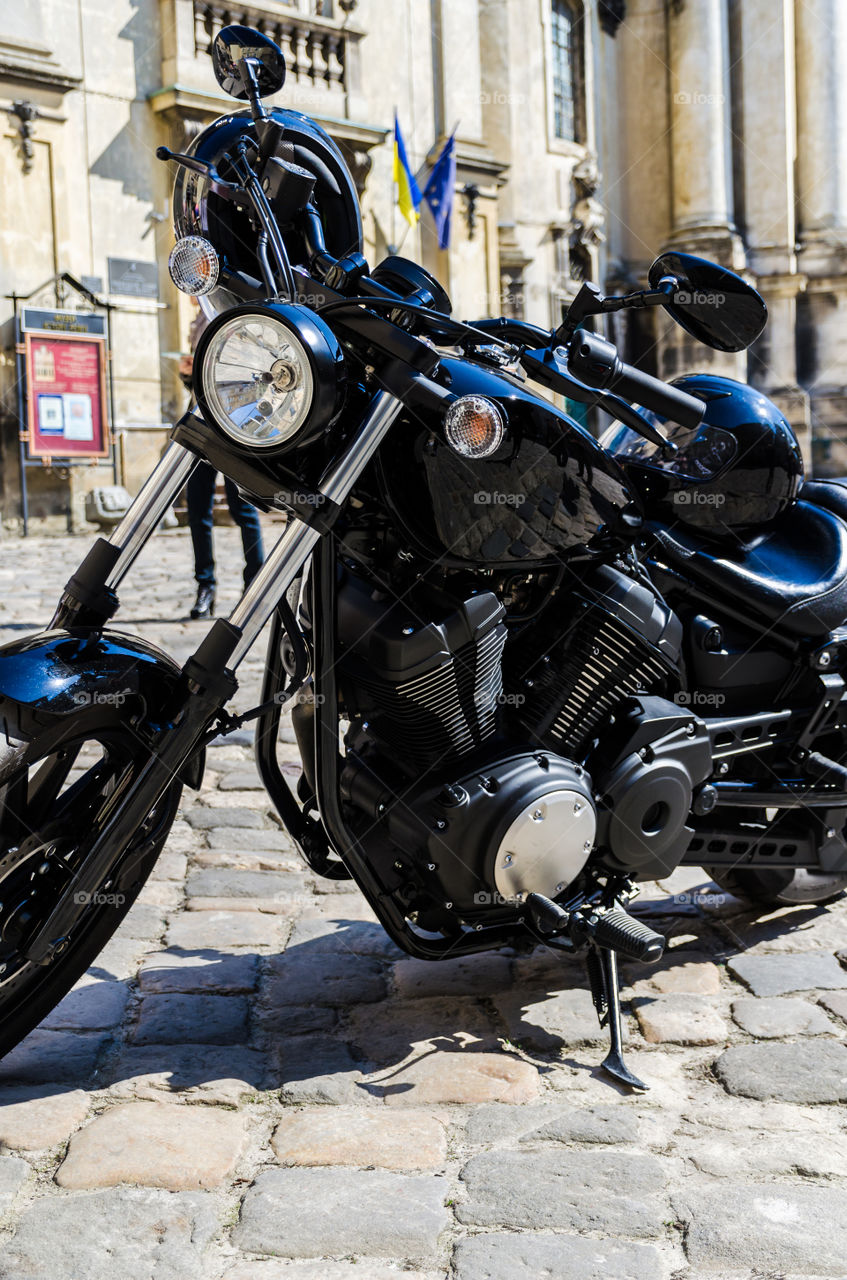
x: 408, y: 194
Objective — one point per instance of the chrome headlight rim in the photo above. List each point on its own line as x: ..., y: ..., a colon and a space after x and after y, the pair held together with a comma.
x: 315, y: 345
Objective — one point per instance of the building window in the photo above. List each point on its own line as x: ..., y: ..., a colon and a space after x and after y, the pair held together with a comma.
x: 566, y: 30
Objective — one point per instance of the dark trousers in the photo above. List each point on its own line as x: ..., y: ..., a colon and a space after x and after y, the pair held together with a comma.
x: 200, y: 492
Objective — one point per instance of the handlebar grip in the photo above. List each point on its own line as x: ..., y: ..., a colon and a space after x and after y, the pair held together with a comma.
x: 621, y: 932
x: 594, y: 361
x: 652, y: 393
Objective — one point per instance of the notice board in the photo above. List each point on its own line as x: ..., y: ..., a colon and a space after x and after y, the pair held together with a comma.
x: 66, y: 395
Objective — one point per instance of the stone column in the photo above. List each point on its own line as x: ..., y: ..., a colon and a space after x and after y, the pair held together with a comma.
x: 821, y: 47
x: 702, y: 204
x: 768, y: 145
x: 701, y: 159
x: 822, y: 118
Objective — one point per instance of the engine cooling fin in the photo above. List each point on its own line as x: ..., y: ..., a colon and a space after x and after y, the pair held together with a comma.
x: 600, y: 660
x: 428, y: 692
x: 449, y: 710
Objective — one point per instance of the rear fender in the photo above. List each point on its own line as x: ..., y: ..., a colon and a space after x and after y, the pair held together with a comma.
x: 48, y: 678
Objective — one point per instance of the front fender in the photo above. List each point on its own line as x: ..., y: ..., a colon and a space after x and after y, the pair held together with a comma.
x: 48, y: 677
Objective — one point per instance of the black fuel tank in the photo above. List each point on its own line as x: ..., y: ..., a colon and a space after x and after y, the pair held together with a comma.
x: 547, y: 498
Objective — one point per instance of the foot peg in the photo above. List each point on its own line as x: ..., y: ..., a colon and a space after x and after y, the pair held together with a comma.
x: 618, y: 931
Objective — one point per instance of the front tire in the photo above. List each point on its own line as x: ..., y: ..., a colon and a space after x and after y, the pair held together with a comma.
x: 51, y: 790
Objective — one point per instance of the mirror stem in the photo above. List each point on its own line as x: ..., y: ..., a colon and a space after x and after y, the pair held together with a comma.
x: 247, y: 68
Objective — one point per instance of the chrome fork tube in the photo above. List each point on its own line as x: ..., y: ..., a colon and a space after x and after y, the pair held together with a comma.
x: 149, y: 505
x: 299, y: 540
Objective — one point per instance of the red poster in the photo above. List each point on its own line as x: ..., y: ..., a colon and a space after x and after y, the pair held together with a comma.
x: 66, y: 395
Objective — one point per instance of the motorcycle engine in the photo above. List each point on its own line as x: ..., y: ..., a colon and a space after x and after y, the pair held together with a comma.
x: 591, y: 692
x: 473, y: 793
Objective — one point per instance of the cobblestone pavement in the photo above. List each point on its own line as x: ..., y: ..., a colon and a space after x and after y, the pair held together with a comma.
x: 252, y: 1083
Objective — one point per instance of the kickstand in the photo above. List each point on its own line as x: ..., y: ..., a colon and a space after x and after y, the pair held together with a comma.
x: 603, y: 975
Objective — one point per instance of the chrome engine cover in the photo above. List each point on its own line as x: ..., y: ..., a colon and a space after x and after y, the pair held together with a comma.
x: 546, y: 844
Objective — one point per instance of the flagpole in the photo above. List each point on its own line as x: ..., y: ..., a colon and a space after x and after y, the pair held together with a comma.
x: 395, y: 190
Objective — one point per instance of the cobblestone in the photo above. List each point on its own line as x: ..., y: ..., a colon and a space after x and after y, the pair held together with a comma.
x: 92, y: 1007
x: 338, y: 1135
x: 680, y: 1019
x: 13, y: 1174
x: 130, y: 1232
x: 803, y: 1072
x: 360, y: 1114
x: 209, y: 930
x: 155, y: 1145
x: 528, y: 1257
x: 200, y: 1019
x: 310, y: 1212
x: 767, y: 1226
x: 324, y: 979
x: 53, y: 1056
x: 777, y: 1018
x: 175, y: 971
x: 609, y: 1192
x: 551, y: 1121
x: 779, y: 975
x: 225, y: 1075
x: 32, y: 1119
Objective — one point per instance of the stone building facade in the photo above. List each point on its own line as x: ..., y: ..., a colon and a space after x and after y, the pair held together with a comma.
x: 591, y: 135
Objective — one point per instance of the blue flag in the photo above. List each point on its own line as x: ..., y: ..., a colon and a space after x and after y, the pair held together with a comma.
x: 439, y: 190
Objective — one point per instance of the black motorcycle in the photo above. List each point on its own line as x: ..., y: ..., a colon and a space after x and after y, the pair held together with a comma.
x: 529, y: 669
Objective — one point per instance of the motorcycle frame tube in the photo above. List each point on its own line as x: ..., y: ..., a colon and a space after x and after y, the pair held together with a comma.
x: 149, y: 506
x: 327, y: 775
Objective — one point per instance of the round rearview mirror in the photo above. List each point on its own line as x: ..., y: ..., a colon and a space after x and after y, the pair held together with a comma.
x: 711, y: 303
x: 243, y: 58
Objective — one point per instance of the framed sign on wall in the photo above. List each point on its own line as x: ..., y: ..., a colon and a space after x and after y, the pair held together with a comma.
x: 66, y: 395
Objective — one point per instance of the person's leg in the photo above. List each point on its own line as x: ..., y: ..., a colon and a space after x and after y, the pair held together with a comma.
x: 200, y: 494
x: 247, y: 518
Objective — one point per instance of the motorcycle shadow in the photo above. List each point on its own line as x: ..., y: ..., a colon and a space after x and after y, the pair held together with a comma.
x: 343, y: 1014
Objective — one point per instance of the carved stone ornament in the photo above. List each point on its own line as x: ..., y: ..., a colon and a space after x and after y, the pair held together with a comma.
x: 588, y: 217
x: 27, y: 114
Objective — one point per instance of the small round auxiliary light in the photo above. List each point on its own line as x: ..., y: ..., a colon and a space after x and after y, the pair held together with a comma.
x: 194, y: 265
x: 474, y: 426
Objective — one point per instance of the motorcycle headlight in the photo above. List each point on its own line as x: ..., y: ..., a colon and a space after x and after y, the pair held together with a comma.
x: 268, y: 374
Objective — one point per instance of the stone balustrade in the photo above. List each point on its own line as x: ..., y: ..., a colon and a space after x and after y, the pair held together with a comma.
x: 315, y: 47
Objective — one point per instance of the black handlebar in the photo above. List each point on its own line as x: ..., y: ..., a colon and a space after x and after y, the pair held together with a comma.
x: 595, y: 362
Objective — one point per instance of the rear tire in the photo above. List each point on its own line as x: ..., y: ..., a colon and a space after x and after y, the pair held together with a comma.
x: 788, y: 886
x: 51, y: 790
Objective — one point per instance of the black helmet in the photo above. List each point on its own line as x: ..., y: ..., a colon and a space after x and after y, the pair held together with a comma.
x: 200, y: 211
x: 741, y: 468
